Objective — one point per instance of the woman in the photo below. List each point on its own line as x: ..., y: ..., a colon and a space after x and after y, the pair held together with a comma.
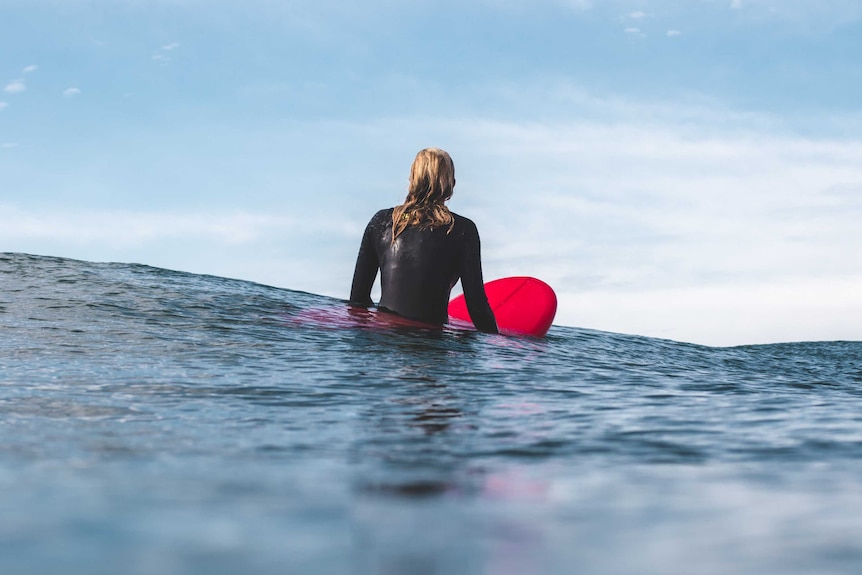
x: 421, y: 250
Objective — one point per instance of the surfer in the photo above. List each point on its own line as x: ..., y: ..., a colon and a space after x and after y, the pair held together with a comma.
x: 422, y: 249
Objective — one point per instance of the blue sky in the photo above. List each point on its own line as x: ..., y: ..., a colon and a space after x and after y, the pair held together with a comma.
x: 689, y: 170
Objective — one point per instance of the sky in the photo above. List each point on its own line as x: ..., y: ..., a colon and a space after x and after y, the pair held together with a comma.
x: 684, y: 170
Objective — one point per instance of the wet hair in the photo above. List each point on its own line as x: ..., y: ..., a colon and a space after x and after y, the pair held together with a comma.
x: 432, y: 180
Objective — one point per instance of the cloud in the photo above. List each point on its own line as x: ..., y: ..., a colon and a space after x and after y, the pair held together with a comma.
x: 31, y: 68
x: 797, y: 16
x: 655, y: 207
x: 226, y: 227
x: 577, y: 4
x: 509, y: 5
x: 8, y: 145
x: 71, y: 92
x: 3, y: 106
x: 808, y: 309
x: 800, y: 16
x: 15, y: 86
x: 162, y: 54
x: 128, y: 228
x: 672, y: 33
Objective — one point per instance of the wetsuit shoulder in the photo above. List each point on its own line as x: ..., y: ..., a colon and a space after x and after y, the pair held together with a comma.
x: 465, y: 226
x: 383, y: 215
x: 463, y: 221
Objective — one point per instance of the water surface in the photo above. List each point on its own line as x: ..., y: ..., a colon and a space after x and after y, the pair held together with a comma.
x: 160, y: 422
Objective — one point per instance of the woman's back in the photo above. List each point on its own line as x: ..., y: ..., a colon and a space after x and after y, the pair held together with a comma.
x: 422, y: 249
x: 419, y: 268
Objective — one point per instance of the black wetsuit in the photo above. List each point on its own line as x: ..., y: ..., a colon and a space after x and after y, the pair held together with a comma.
x: 418, y: 270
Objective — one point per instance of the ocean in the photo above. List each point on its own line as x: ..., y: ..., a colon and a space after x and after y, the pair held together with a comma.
x: 160, y: 422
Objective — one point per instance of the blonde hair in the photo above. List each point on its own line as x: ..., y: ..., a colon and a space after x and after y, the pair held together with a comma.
x: 432, y: 180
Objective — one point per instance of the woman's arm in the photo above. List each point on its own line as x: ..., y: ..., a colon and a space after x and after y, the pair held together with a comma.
x: 365, y: 272
x: 474, y: 286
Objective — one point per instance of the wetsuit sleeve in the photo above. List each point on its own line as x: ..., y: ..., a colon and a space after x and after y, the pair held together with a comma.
x: 474, y: 287
x: 367, y: 264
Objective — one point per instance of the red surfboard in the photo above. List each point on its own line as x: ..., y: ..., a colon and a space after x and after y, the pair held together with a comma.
x: 522, y: 305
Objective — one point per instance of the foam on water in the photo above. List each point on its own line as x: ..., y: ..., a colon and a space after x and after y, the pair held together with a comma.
x: 161, y: 422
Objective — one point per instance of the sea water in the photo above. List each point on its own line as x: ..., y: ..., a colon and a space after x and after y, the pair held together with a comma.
x: 158, y: 422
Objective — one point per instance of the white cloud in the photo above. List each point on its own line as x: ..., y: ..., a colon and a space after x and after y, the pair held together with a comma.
x: 633, y: 221
x: 15, y: 86
x: 808, y: 309
x: 8, y: 145
x: 798, y: 16
x: 819, y: 17
x: 672, y: 33
x: 632, y: 30
x: 509, y: 5
x: 136, y: 228
x: 71, y: 92
x: 577, y: 4
x: 3, y: 106
x: 162, y: 54
x: 31, y: 68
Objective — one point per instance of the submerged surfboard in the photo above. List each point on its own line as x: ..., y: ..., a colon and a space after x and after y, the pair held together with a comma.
x: 522, y: 305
